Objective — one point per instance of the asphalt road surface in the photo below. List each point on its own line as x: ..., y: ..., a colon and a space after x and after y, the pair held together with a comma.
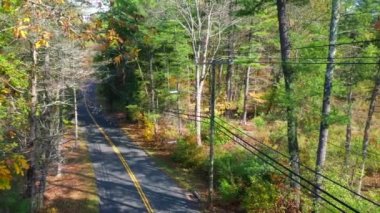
x: 127, y: 178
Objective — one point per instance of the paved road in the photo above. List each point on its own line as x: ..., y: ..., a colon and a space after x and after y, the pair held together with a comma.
x: 118, y: 190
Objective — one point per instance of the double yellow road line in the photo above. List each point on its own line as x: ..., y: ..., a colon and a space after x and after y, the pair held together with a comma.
x: 123, y: 161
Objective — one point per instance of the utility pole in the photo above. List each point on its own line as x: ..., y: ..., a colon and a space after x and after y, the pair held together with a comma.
x: 212, y: 134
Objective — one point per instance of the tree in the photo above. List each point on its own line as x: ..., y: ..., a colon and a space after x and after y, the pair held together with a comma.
x: 290, y: 109
x: 323, y: 134
x: 202, y: 21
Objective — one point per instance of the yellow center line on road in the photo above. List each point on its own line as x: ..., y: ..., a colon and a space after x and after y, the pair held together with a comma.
x: 123, y: 161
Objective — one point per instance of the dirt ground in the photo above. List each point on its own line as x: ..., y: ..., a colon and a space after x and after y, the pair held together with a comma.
x: 75, y: 189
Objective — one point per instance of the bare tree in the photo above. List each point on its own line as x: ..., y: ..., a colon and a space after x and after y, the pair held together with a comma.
x: 202, y: 20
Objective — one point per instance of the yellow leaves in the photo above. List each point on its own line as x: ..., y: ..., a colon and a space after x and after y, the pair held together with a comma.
x: 26, y: 20
x: 19, y: 165
x: 20, y: 32
x: 59, y: 1
x: 16, y: 164
x: 258, y: 97
x: 5, y: 177
x: 113, y: 38
x: 5, y: 91
x: 43, y: 41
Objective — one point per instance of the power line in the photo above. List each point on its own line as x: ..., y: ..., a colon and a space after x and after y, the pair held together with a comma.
x: 304, y: 166
x: 245, y: 144
x: 337, y: 44
x: 304, y: 179
x: 325, y: 58
x: 282, y: 172
x: 248, y: 60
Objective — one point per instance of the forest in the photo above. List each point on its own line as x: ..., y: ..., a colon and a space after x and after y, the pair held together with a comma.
x: 271, y: 105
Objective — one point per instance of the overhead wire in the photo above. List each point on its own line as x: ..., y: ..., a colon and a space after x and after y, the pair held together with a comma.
x: 337, y: 44
x: 286, y: 156
x: 282, y: 172
x: 287, y: 169
x: 245, y: 144
x: 304, y: 166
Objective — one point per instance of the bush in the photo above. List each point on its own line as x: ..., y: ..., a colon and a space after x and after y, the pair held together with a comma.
x: 229, y: 192
x: 243, y: 177
x: 259, y: 122
x: 261, y: 196
x: 134, y: 113
x: 189, y: 154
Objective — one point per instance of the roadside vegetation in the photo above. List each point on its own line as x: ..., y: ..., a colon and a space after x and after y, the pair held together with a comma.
x: 297, y: 87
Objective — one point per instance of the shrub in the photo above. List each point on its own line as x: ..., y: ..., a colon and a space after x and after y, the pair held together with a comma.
x: 243, y: 177
x: 189, y: 154
x: 133, y: 113
x: 228, y: 191
x: 259, y: 122
x: 261, y: 196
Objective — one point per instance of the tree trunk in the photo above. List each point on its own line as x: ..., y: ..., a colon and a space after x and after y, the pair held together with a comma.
x: 198, y: 104
x: 371, y: 110
x: 246, y: 93
x: 230, y: 68
x: 324, y: 127
x: 291, y: 112
x: 153, y: 105
x: 347, y: 143
x: 178, y: 111
x: 151, y: 82
x: 75, y: 115
x: 33, y: 124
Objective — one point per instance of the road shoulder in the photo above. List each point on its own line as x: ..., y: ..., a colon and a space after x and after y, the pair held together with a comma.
x: 75, y: 189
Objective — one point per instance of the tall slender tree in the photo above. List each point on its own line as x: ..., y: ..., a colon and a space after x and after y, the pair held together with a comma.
x: 324, y: 127
x: 289, y: 76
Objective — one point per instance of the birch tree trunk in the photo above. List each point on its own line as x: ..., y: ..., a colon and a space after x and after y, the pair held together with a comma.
x: 75, y: 115
x: 371, y: 111
x: 230, y: 68
x: 324, y: 126
x: 246, y: 93
x: 291, y: 112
